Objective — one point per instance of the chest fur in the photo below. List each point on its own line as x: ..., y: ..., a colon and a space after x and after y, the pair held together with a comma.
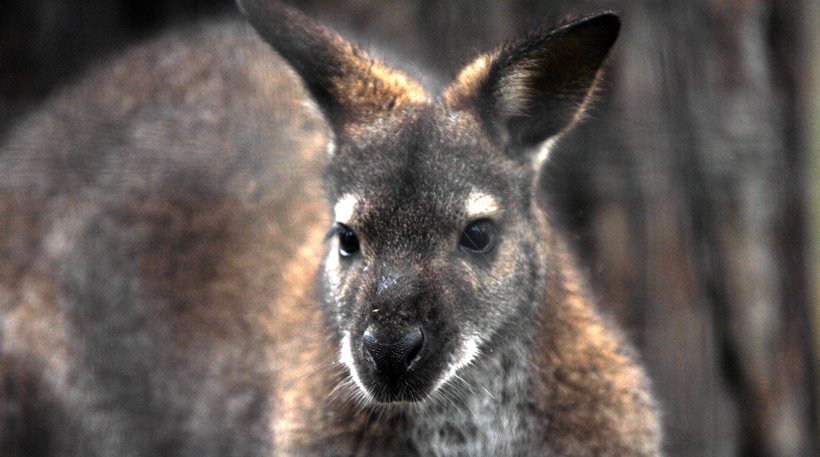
x: 484, y: 412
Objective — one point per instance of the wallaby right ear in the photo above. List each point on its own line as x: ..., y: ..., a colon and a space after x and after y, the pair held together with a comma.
x: 348, y: 86
x: 536, y: 87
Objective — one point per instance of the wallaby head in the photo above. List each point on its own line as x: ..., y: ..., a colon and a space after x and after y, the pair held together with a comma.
x: 438, y: 251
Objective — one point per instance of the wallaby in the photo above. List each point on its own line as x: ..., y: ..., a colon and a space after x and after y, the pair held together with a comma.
x: 193, y: 264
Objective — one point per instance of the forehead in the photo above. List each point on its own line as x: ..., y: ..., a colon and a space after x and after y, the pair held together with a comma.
x: 425, y: 160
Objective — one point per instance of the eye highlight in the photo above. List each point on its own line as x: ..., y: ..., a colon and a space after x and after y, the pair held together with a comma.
x: 479, y: 236
x: 348, y: 241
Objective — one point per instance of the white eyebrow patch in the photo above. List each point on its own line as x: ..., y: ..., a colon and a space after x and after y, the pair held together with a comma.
x: 345, y: 208
x: 480, y: 204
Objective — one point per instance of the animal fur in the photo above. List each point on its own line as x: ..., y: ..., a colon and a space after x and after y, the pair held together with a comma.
x: 168, y: 285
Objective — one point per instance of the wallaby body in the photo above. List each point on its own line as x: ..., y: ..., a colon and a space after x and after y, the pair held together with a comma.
x: 168, y: 285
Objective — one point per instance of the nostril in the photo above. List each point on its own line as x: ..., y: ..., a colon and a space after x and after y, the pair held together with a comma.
x: 411, y: 346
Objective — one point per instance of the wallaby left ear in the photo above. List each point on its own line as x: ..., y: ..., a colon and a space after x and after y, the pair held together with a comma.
x: 348, y: 86
x: 536, y: 87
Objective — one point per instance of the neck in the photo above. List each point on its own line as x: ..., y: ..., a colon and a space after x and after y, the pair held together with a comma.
x: 482, y: 411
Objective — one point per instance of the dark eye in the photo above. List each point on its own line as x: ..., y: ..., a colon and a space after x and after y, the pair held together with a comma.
x: 348, y: 242
x: 478, y: 236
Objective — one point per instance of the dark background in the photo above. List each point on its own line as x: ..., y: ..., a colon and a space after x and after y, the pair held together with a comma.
x: 686, y: 192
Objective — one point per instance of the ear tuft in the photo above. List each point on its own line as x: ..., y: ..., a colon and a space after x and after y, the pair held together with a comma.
x: 537, y: 86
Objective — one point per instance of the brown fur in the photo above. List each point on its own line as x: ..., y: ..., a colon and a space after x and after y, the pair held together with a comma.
x: 585, y: 362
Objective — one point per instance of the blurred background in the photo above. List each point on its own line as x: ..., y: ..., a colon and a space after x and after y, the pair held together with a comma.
x: 692, y: 192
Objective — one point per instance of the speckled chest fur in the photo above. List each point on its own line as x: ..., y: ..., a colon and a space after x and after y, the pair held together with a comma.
x: 493, y: 420
x: 256, y: 240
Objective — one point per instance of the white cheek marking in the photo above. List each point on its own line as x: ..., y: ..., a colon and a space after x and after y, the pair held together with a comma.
x: 345, y: 208
x: 346, y: 357
x: 480, y: 204
x: 466, y: 354
x: 331, y: 148
x: 543, y: 152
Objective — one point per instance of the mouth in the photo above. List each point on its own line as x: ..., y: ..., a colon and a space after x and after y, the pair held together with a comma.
x: 408, y: 368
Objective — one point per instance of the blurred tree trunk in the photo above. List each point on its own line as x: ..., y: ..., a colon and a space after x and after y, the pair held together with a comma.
x: 710, y: 114
x: 686, y: 191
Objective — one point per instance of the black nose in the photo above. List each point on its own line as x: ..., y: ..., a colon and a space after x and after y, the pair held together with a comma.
x: 396, y: 357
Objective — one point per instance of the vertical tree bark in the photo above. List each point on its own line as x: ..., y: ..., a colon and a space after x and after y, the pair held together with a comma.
x: 728, y: 198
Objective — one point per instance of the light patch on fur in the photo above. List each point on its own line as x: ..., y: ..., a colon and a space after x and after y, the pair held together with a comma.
x: 466, y: 354
x: 345, y: 208
x: 515, y: 92
x: 346, y: 358
x: 543, y: 152
x: 466, y: 85
x: 332, y: 272
x: 366, y: 101
x: 331, y: 148
x: 489, y: 423
x: 480, y: 204
x: 404, y: 90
